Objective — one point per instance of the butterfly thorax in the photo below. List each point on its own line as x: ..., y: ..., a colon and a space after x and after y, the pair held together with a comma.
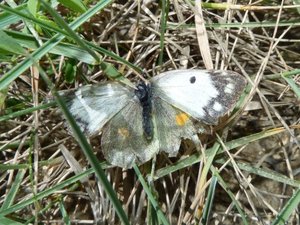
x: 144, y: 94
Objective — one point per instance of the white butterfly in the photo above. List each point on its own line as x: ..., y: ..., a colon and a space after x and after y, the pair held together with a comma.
x: 138, y: 123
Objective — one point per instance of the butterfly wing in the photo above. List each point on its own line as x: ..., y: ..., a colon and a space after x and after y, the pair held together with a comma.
x: 204, y: 95
x: 93, y: 105
x: 178, y: 98
x: 171, y: 125
x: 123, y: 142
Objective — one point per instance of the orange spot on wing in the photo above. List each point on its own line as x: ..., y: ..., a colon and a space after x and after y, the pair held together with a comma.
x: 181, y: 119
x: 123, y: 132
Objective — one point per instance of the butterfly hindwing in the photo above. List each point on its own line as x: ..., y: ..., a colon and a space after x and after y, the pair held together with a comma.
x: 123, y: 142
x: 171, y: 125
x: 93, y: 105
x: 204, y: 95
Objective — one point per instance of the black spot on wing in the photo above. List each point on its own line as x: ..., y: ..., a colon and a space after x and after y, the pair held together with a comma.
x: 193, y: 79
x: 82, y: 124
x: 69, y: 99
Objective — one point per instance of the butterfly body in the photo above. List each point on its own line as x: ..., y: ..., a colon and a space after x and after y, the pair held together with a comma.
x: 138, y: 123
x: 144, y: 94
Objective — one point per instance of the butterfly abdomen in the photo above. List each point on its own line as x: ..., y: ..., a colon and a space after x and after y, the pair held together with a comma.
x: 144, y: 94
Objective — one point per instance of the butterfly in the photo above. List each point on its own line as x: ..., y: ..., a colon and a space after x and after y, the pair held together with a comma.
x: 137, y: 123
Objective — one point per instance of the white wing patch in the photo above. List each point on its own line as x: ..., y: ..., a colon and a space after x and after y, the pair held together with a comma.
x: 94, y: 116
x: 229, y: 88
x: 189, y: 90
x: 217, y: 106
x: 204, y: 95
x: 94, y: 105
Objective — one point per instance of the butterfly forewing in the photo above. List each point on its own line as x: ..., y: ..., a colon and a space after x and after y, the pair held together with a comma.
x: 93, y: 105
x: 204, y: 95
x: 230, y: 86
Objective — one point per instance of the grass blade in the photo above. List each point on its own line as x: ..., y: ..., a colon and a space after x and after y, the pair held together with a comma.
x: 37, y: 54
x: 290, y: 207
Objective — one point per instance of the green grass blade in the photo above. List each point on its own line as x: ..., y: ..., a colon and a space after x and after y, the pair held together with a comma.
x: 153, y: 201
x: 163, y: 27
x: 3, y: 95
x: 195, y: 158
x: 209, y: 201
x: 43, y: 194
x: 64, y: 213
x: 42, y: 212
x: 6, y: 221
x: 107, y: 68
x: 264, y: 172
x: 69, y: 50
x: 9, y: 44
x: 75, y: 5
x: 25, y: 111
x: 88, y: 151
x: 230, y: 194
x: 238, y: 25
x: 24, y: 15
x: 290, y: 207
x: 33, y: 7
x: 7, y: 18
x: 10, y: 197
x: 292, y: 84
x: 36, y: 55
x: 60, y: 21
x: 62, y: 49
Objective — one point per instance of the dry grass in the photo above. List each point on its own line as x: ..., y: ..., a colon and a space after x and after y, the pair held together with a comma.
x: 37, y: 154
